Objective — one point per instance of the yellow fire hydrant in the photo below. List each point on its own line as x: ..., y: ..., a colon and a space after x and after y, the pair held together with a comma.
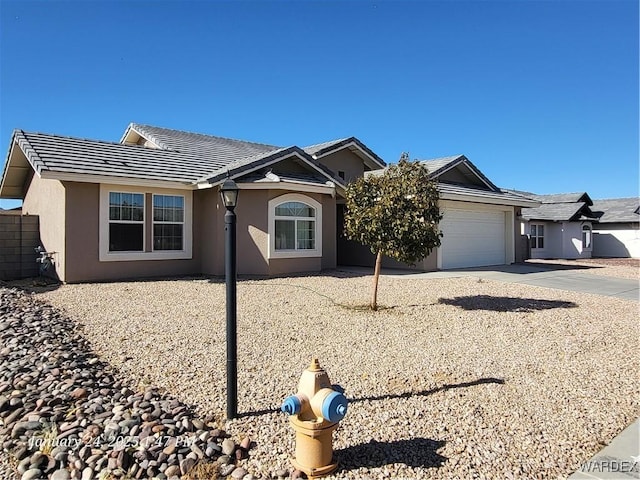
x: 314, y: 414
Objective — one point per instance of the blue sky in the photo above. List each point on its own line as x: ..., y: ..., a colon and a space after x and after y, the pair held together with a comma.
x: 540, y: 95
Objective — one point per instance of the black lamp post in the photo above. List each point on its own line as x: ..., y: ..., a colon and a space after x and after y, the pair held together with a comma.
x: 229, y: 193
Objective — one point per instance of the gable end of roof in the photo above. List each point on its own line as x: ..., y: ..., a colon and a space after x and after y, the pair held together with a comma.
x: 322, y: 149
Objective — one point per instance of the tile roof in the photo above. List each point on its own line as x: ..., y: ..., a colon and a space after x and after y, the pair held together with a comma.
x: 558, y: 207
x: 319, y: 147
x: 183, y: 157
x: 617, y: 210
x: 216, y: 151
x: 556, y: 197
x: 57, y: 153
x: 557, y: 212
x: 436, y: 164
x: 505, y: 198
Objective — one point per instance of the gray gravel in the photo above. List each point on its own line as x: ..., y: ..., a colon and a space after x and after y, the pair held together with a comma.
x: 454, y: 379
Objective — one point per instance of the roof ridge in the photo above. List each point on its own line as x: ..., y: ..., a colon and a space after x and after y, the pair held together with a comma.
x: 142, y: 125
x: 615, y: 198
x: 69, y: 137
x: 439, y: 158
x: 336, y: 140
x: 562, y: 193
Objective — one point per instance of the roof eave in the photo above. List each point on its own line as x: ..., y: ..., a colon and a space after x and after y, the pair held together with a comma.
x: 467, y: 197
x: 32, y: 158
x: 375, y: 162
x: 220, y: 175
x: 117, y: 180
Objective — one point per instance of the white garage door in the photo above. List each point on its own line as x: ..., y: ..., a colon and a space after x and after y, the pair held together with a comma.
x: 472, y: 238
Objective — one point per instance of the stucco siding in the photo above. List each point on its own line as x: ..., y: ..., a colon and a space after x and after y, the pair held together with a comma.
x: 209, y: 221
x: 329, y: 244
x: 253, y: 239
x: 561, y: 240
x: 616, y: 240
x: 572, y: 246
x: 345, y: 161
x: 46, y: 198
x: 82, y: 244
x: 252, y: 235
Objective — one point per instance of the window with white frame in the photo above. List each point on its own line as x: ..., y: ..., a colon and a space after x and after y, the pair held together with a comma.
x: 586, y: 237
x: 144, y: 223
x: 295, y: 226
x: 126, y: 222
x: 168, y: 222
x: 537, y: 235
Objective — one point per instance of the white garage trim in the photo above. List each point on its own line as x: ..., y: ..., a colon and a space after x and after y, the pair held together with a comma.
x: 475, y: 235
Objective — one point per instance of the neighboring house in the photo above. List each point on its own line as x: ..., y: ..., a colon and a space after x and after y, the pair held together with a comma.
x: 479, y: 223
x: 150, y: 205
x: 617, y: 233
x: 561, y: 227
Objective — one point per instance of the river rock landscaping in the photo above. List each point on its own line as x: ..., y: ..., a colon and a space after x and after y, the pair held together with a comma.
x: 452, y: 378
x: 65, y: 414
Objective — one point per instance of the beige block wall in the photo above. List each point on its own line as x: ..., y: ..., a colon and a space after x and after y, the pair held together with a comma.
x: 46, y: 198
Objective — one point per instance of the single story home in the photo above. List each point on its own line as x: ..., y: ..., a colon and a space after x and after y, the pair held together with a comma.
x: 560, y: 227
x: 617, y: 233
x: 149, y: 205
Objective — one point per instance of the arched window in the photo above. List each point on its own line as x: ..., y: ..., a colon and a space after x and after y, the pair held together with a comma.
x: 295, y: 226
x: 586, y: 237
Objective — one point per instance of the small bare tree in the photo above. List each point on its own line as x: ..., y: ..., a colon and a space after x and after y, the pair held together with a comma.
x: 395, y: 214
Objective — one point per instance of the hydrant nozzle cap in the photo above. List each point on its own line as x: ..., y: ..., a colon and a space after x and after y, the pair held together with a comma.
x: 314, y: 366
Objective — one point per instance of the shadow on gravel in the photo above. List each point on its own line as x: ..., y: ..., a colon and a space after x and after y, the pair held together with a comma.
x: 33, y: 285
x: 504, y: 304
x: 389, y: 396
x: 416, y: 452
x: 424, y: 393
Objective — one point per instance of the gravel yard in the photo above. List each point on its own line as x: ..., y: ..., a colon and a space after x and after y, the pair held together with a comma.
x: 454, y: 378
x: 610, y: 267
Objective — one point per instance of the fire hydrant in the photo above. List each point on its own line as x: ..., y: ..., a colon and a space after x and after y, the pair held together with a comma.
x: 314, y: 414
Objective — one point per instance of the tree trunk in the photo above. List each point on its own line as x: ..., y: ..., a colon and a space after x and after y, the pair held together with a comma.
x: 376, y: 277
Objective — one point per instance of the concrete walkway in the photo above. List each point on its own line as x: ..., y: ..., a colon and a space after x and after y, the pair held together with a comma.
x: 620, y: 459
x: 550, y: 276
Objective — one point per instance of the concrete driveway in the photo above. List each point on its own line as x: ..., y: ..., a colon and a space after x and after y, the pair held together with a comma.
x: 552, y: 276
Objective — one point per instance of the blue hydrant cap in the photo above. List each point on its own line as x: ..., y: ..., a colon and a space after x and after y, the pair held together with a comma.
x: 334, y: 407
x: 291, y: 405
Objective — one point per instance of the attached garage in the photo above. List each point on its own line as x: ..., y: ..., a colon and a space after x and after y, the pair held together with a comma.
x: 480, y: 223
x: 473, y: 238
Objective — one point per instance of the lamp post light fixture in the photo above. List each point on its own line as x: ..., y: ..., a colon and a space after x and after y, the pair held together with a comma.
x: 229, y: 194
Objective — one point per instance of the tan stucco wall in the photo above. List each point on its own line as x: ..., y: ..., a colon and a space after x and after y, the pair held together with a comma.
x: 46, y: 198
x: 253, y: 249
x: 208, y: 218
x: 329, y: 245
x: 70, y: 223
x: 346, y: 161
x: 252, y: 234
x: 82, y: 228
